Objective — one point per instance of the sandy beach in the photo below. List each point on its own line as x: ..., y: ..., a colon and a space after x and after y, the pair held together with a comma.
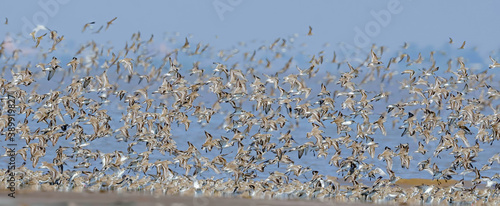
x: 31, y: 197
x: 87, y: 198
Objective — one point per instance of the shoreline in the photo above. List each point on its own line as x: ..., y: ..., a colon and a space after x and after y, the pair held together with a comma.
x: 33, y: 197
x: 25, y: 197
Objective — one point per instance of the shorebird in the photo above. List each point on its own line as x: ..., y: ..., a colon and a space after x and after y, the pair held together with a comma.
x: 494, y: 63
x: 73, y: 63
x: 36, y: 29
x: 128, y: 64
x: 380, y: 123
x: 109, y: 23
x: 387, y: 156
x: 374, y: 60
x: 421, y: 149
x: 463, y: 45
x: 38, y: 39
x: 186, y: 44
x: 54, y: 65
x: 87, y: 25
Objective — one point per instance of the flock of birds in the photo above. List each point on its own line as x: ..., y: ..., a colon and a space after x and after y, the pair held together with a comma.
x: 195, y: 121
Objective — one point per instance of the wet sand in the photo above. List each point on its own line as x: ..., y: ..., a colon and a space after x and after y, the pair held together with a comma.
x: 25, y: 197
x: 30, y: 197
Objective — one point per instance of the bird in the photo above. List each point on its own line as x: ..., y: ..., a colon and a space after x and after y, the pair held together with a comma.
x: 109, y: 23
x: 421, y: 149
x: 87, y: 25
x: 36, y: 30
x: 186, y: 44
x: 374, y: 59
x: 494, y: 63
x: 99, y: 30
x: 209, y: 142
x: 463, y: 45
x: 310, y: 31
x: 73, y: 63
x: 54, y: 65
x: 38, y: 39
x: 128, y: 64
x: 380, y: 124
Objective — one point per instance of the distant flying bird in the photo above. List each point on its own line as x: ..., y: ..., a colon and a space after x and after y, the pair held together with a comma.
x: 38, y: 39
x: 494, y: 63
x: 73, y: 63
x: 36, y: 29
x: 186, y: 44
x: 406, y: 45
x: 374, y: 59
x: 463, y: 45
x: 128, y: 64
x: 310, y: 31
x: 99, y: 30
x: 54, y: 64
x: 87, y: 25
x: 110, y: 22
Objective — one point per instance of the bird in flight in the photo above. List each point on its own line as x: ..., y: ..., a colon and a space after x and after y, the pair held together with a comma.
x: 110, y: 22
x: 374, y: 60
x: 463, y: 45
x: 54, y: 64
x: 494, y: 63
x: 38, y: 39
x: 73, y: 63
x: 36, y: 29
x: 310, y: 31
x: 186, y: 44
x: 128, y: 64
x: 87, y: 25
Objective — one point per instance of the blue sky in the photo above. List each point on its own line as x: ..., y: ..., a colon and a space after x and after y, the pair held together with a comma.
x: 418, y: 22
